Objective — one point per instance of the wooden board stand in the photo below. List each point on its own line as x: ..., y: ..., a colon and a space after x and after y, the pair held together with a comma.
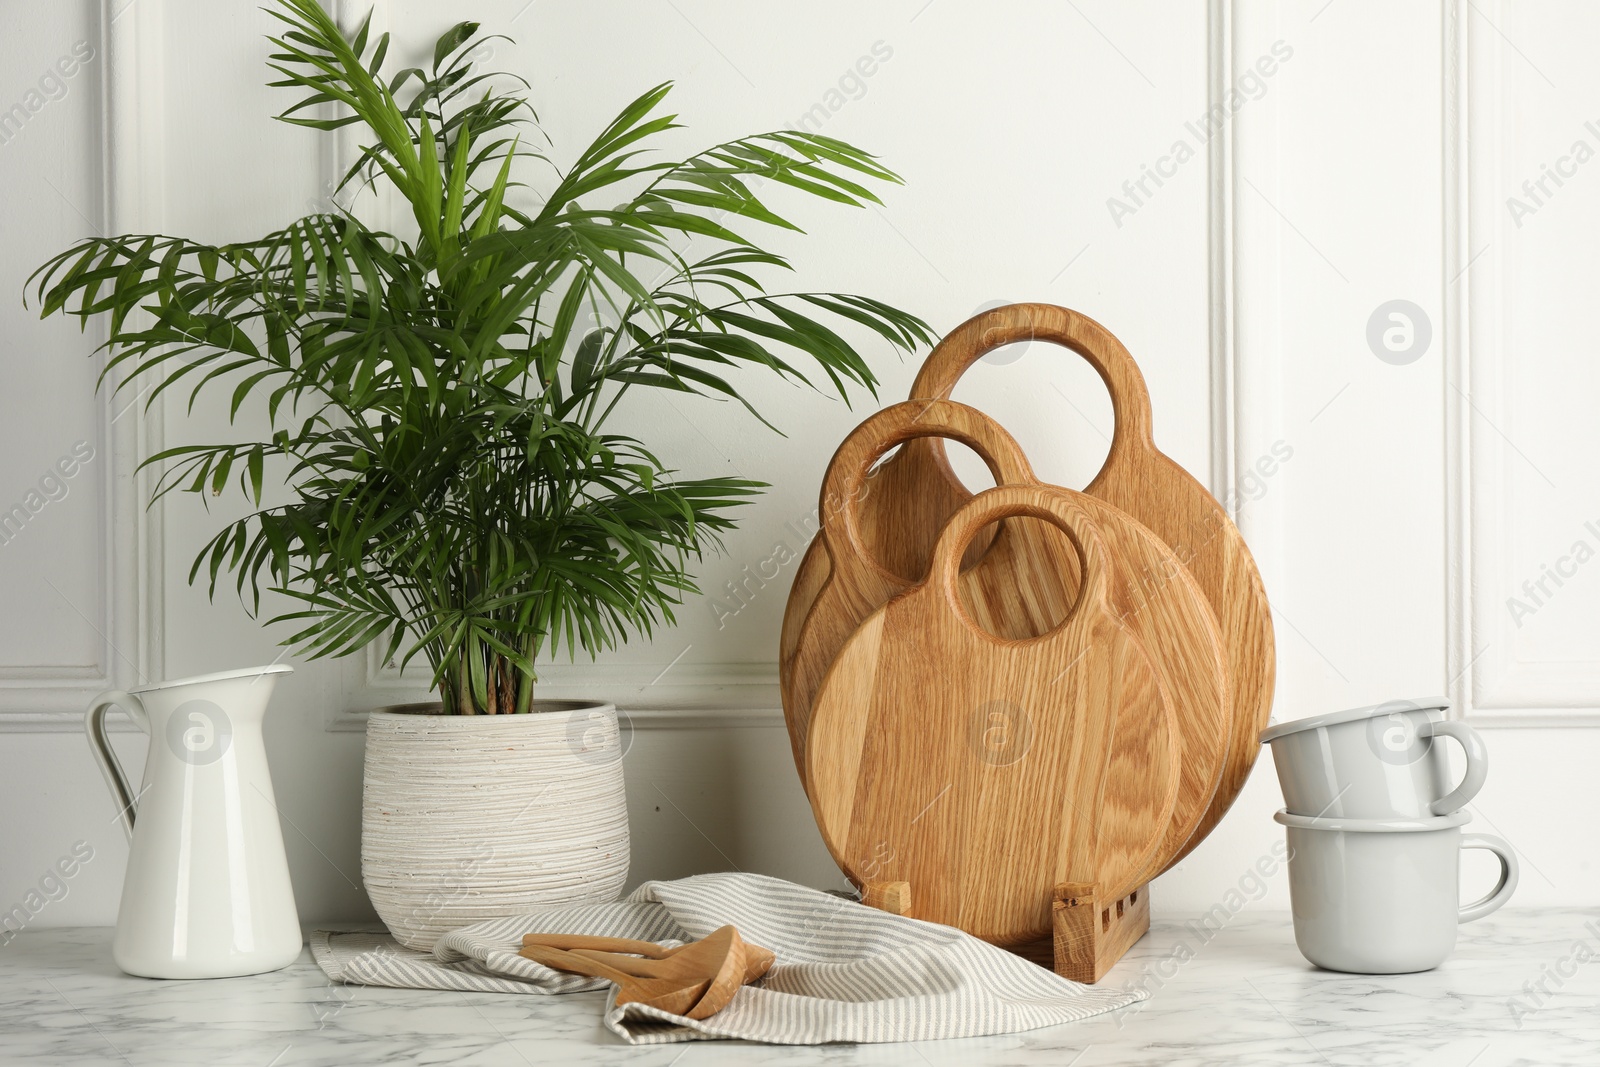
x: 1090, y: 934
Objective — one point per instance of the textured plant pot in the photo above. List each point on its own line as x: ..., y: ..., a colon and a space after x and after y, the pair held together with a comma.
x: 473, y: 817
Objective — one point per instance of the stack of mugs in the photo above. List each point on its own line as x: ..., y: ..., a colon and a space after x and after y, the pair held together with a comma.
x: 1375, y: 835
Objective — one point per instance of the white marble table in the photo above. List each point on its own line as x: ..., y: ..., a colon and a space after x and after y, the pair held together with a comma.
x: 1238, y: 995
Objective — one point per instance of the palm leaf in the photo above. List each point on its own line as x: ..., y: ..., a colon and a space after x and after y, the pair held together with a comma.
x: 441, y: 479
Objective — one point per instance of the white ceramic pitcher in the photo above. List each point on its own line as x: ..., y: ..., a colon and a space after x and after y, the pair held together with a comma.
x: 207, y: 891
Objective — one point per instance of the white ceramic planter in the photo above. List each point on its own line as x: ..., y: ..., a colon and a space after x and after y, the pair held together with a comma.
x: 473, y: 817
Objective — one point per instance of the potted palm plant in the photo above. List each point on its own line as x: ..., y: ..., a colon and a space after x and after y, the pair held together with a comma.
x: 441, y: 401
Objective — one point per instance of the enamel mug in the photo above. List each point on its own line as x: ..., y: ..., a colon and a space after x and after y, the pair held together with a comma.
x: 1379, y: 762
x: 1382, y: 896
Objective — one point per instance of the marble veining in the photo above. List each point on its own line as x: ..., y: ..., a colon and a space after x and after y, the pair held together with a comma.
x: 1523, y: 988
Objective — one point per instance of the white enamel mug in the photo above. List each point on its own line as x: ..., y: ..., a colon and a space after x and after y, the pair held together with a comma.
x: 1382, y: 896
x: 1378, y: 762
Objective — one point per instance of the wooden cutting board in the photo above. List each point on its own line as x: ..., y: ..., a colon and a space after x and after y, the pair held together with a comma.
x: 855, y: 584
x: 1161, y: 604
x: 910, y: 496
x: 907, y: 780
x: 1023, y: 587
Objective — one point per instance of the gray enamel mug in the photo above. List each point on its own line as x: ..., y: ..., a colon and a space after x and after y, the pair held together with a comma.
x: 1382, y: 896
x: 1380, y: 762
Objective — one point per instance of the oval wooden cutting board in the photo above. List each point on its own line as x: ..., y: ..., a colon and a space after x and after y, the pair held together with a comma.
x: 909, y: 497
x: 910, y: 782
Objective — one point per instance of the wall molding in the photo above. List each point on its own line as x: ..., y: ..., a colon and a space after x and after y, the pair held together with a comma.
x: 716, y: 691
x: 1220, y: 239
x: 354, y: 720
x: 1489, y: 686
x: 50, y: 698
x: 1455, y: 332
x: 1247, y: 239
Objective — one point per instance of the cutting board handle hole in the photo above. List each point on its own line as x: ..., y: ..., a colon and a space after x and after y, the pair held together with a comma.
x: 1053, y: 402
x: 973, y: 473
x: 911, y: 564
x: 968, y: 467
x: 1002, y: 605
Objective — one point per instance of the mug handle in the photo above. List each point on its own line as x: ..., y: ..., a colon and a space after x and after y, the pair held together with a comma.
x: 1477, y: 763
x: 1508, y: 875
x: 95, y: 726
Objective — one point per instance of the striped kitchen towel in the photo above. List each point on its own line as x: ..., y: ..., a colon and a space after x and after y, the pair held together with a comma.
x: 844, y: 971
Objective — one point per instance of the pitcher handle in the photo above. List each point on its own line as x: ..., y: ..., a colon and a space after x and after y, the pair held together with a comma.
x: 95, y: 726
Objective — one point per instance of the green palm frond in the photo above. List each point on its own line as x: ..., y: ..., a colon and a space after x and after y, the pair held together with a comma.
x: 439, y: 398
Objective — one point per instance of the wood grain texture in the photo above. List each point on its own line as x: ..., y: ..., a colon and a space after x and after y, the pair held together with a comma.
x: 695, y: 981
x: 1137, y: 478
x: 620, y: 952
x: 1092, y: 931
x: 668, y: 994
x: 981, y: 770
x: 1154, y: 489
x: 1163, y: 605
x: 856, y: 583
x: 892, y: 897
x: 1023, y: 586
x: 1159, y: 601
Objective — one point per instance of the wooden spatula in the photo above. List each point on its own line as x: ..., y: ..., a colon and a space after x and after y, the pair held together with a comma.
x: 621, y: 952
x: 678, y: 998
x: 695, y: 981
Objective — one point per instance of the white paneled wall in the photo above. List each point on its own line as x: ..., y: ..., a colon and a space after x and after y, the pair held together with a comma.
x: 1238, y: 189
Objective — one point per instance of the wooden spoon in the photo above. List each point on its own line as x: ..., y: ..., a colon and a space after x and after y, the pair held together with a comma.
x: 712, y: 969
x: 750, y: 968
x: 604, y: 944
x: 757, y: 960
x: 670, y: 995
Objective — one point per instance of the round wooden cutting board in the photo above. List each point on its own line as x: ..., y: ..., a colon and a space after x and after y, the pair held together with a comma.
x: 984, y: 771
x: 908, y: 498
x: 1023, y: 587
